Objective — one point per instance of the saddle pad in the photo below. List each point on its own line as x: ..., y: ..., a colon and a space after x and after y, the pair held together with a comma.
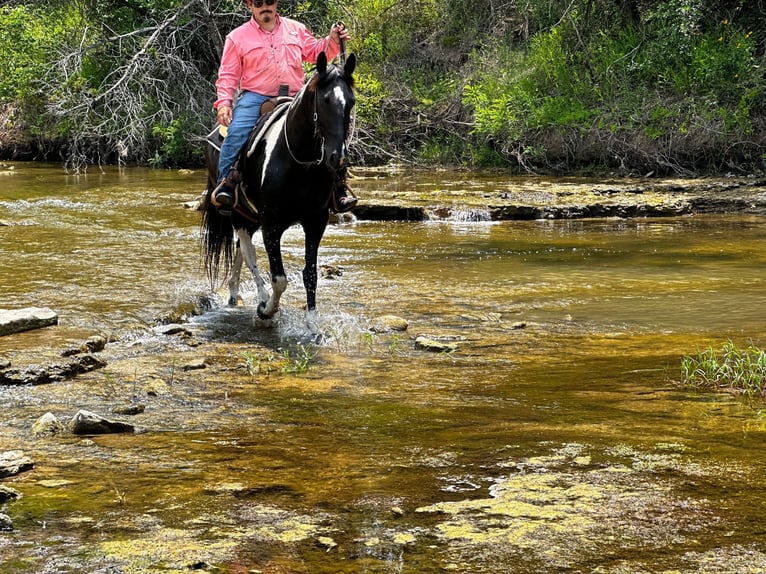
x: 263, y: 126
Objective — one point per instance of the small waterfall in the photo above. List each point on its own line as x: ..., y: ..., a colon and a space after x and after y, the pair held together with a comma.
x: 460, y: 215
x: 470, y: 215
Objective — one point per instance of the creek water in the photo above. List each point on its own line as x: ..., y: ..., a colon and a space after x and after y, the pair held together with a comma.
x: 555, y: 438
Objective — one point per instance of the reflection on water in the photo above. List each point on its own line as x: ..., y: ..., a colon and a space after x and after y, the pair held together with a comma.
x: 554, y: 438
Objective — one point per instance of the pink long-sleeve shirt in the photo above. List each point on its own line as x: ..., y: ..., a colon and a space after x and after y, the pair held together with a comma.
x: 259, y: 61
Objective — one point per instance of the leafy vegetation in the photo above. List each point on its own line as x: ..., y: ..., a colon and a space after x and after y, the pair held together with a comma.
x: 733, y: 369
x: 662, y: 86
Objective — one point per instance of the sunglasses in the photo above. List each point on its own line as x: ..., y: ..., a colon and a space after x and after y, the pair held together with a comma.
x: 259, y: 3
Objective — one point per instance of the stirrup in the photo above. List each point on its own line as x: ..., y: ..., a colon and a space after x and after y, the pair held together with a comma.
x: 224, y: 197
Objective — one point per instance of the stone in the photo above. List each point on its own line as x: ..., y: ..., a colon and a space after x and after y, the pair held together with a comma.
x: 14, y: 462
x: 388, y: 323
x: 330, y: 271
x: 7, y: 494
x: 51, y: 372
x: 429, y: 344
x: 47, y: 425
x: 18, y: 320
x: 326, y: 542
x: 88, y: 423
x: 92, y: 345
x: 194, y: 365
x: 5, y: 523
x: 129, y: 409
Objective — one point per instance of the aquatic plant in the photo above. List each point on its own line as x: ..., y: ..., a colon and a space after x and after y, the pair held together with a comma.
x: 300, y: 360
x: 734, y: 369
x: 256, y: 364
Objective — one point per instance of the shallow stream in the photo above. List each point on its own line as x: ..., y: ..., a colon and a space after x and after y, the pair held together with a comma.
x: 555, y: 438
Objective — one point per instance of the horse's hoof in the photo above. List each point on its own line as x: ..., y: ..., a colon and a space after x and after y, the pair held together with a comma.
x: 260, y: 312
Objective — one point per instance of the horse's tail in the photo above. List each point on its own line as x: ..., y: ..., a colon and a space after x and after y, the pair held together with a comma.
x: 217, y: 232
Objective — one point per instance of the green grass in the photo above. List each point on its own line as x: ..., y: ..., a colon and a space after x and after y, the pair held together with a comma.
x: 741, y: 371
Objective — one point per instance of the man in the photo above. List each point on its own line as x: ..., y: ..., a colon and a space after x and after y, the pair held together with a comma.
x: 264, y: 59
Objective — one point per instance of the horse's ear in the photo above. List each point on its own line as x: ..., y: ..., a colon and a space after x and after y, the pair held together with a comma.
x: 348, y: 69
x: 322, y: 63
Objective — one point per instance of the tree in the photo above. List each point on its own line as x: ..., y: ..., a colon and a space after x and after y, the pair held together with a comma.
x: 133, y: 78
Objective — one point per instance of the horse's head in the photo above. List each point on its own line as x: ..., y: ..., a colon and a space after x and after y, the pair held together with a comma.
x: 333, y: 88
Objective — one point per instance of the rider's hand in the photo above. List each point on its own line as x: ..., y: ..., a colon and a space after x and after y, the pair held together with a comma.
x: 224, y: 115
x: 339, y: 32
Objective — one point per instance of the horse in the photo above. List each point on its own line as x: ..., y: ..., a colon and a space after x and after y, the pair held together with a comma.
x: 288, y: 178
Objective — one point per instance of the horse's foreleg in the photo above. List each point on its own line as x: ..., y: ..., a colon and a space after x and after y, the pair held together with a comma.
x: 272, y: 241
x: 313, y: 237
x: 248, y: 251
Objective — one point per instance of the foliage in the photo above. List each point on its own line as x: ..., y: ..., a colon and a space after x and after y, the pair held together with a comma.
x: 734, y: 369
x: 664, y: 86
x: 672, y: 86
x: 296, y: 361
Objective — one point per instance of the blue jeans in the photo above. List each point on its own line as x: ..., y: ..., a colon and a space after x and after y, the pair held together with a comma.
x: 245, y: 115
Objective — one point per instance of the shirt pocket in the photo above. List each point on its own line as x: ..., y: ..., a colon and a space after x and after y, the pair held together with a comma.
x: 255, y: 61
x: 293, y: 52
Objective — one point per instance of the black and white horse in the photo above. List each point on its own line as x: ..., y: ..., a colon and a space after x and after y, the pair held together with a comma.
x: 287, y: 178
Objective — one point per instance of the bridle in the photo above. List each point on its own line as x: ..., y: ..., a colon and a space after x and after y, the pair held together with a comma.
x: 317, y: 133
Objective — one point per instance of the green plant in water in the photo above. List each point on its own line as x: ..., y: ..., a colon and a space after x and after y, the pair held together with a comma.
x: 255, y: 364
x: 300, y: 361
x: 734, y: 369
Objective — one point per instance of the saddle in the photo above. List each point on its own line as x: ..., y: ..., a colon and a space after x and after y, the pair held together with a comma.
x: 215, y: 137
x: 271, y: 110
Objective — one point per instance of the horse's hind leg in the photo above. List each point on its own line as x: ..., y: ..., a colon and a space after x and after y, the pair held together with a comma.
x: 234, y: 275
x: 247, y: 250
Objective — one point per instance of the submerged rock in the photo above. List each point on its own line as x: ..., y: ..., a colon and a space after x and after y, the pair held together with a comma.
x: 5, y: 523
x: 194, y: 365
x: 18, y: 320
x: 388, y: 323
x: 94, y: 344
x: 330, y: 271
x: 52, y: 372
x: 86, y: 422
x: 129, y: 409
x: 14, y: 462
x: 432, y: 344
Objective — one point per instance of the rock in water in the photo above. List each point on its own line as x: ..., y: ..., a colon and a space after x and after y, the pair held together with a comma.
x: 388, y: 323
x: 47, y: 425
x: 17, y: 320
x: 5, y: 523
x: 13, y: 462
x: 7, y: 494
x: 86, y: 422
x: 434, y: 345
